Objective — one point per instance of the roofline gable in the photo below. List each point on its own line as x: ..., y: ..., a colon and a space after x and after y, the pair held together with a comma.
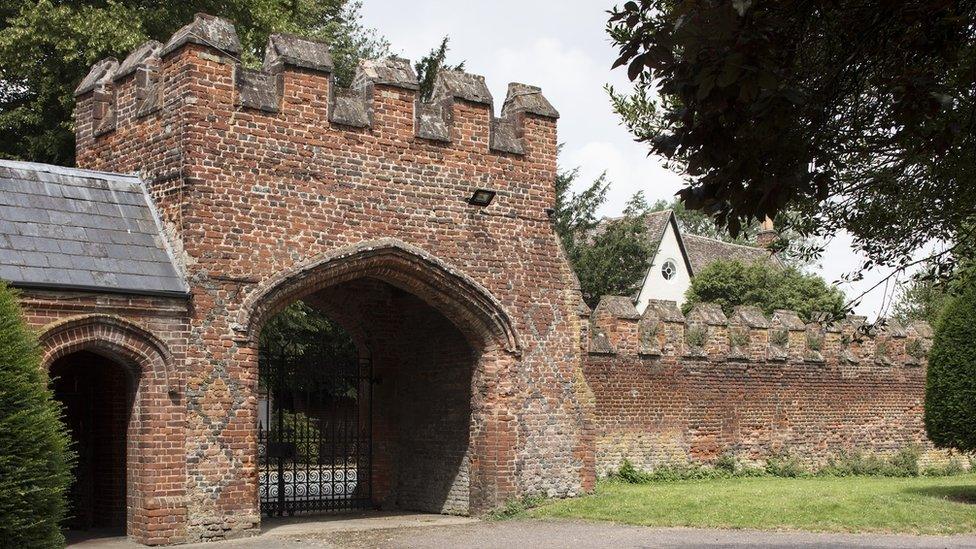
x: 681, y: 244
x: 673, y: 223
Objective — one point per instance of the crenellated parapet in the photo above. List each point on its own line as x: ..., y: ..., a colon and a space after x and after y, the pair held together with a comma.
x: 296, y: 80
x: 614, y: 326
x: 747, y: 335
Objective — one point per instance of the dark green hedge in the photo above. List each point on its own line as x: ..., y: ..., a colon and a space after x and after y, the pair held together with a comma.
x: 34, y: 446
x: 950, y: 395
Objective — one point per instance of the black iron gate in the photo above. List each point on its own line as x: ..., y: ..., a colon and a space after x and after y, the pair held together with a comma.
x: 315, y: 430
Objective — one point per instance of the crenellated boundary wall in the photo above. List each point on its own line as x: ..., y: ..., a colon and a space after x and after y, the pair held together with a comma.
x: 672, y: 388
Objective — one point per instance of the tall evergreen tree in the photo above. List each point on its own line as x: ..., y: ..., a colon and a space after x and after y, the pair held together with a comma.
x: 35, y: 458
x: 609, y: 256
x: 950, y: 393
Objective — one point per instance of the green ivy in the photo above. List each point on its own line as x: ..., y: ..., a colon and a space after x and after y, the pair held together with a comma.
x: 696, y: 336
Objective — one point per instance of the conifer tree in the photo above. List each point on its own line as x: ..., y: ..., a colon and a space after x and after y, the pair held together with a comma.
x: 35, y: 458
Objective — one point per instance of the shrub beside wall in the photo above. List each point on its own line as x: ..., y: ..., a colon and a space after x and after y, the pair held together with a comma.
x: 903, y: 463
x: 35, y: 458
x: 950, y: 395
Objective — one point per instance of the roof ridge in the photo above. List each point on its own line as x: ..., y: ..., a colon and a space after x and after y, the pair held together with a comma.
x: 616, y: 217
x: 720, y: 241
x: 67, y: 170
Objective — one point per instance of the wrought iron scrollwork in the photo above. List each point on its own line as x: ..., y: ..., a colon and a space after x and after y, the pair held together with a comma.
x: 315, y: 444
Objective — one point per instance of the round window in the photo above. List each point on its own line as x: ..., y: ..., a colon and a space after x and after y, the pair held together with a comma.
x: 668, y: 270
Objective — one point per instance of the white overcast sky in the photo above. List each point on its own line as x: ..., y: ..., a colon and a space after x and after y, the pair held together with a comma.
x: 561, y: 45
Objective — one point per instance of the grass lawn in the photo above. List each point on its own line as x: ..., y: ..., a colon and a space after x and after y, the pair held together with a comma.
x: 926, y: 505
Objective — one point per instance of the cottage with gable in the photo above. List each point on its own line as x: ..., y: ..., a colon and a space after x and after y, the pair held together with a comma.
x: 678, y: 256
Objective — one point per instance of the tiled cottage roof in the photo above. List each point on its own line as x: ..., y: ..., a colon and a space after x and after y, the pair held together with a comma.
x: 70, y: 228
x: 656, y: 223
x: 701, y: 251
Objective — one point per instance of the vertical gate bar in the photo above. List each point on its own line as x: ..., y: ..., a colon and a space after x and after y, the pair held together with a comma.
x: 345, y: 452
x: 302, y: 504
x: 294, y: 435
x: 320, y: 497
x: 369, y: 432
x: 332, y: 447
x: 265, y: 435
x: 279, y: 375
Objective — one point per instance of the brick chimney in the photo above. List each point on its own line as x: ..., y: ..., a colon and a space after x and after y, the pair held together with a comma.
x: 767, y: 234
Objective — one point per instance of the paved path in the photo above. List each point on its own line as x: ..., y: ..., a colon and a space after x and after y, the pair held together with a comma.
x: 433, y: 531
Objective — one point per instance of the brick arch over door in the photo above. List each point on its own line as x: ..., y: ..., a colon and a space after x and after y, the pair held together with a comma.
x: 115, y: 337
x: 156, y: 464
x: 478, y: 314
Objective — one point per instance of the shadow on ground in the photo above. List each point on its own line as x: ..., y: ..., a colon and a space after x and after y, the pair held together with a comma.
x: 959, y: 494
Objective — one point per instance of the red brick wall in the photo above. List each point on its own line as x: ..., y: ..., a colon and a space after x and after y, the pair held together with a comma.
x: 433, y: 403
x: 661, y: 399
x: 265, y: 207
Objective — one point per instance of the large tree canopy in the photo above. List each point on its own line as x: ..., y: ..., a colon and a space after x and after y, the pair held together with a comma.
x: 859, y: 115
x: 47, y: 47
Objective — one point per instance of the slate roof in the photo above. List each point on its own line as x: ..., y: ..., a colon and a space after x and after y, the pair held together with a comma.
x: 68, y: 228
x: 655, y: 222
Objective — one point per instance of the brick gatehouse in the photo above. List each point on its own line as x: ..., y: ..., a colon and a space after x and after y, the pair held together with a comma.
x: 423, y: 229
x: 274, y: 185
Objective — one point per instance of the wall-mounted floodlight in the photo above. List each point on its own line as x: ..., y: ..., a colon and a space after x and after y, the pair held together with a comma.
x: 481, y: 197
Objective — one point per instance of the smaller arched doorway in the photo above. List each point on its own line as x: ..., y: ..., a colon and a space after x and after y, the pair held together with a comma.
x: 97, y: 394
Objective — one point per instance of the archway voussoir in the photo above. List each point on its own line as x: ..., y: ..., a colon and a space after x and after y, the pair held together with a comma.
x: 443, y: 286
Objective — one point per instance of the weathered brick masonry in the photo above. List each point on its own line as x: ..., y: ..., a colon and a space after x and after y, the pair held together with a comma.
x: 147, y: 336
x: 671, y: 389
x: 275, y: 185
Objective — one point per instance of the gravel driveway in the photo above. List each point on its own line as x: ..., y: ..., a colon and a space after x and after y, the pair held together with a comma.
x: 433, y: 531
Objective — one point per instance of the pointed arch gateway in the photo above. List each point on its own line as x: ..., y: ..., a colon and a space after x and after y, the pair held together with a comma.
x: 439, y: 433
x: 446, y: 288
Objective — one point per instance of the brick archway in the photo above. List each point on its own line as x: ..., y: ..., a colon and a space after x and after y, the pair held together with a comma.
x: 486, y: 346
x: 469, y: 305
x: 116, y: 337
x: 155, y: 455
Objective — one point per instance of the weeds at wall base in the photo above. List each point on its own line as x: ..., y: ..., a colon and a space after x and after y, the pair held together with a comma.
x: 904, y: 463
x: 516, y: 507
